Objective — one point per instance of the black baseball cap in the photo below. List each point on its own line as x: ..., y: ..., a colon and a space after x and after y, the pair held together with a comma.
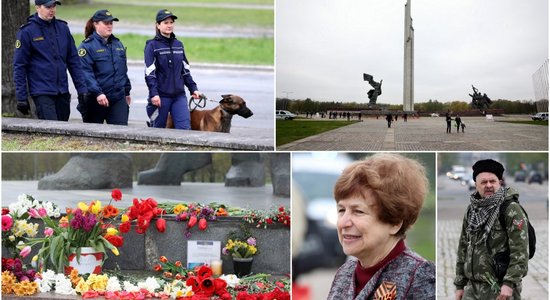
x: 164, y: 14
x: 46, y: 2
x: 103, y: 15
x: 488, y: 165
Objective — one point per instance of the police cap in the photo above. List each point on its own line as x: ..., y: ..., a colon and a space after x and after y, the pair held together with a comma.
x: 164, y: 14
x: 47, y: 3
x: 103, y: 15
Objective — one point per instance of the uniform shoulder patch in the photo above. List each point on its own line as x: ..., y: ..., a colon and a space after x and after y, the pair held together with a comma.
x: 17, y: 44
x: 87, y: 40
x: 81, y: 52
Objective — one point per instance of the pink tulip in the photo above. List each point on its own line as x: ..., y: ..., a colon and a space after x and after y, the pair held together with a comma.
x: 33, y: 213
x: 25, y: 251
x: 48, y: 231
x: 42, y: 212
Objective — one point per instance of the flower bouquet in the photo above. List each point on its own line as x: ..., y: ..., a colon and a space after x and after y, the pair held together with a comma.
x: 17, y: 225
x: 86, y: 226
x: 242, y: 249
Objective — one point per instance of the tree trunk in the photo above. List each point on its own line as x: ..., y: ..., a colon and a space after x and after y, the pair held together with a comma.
x: 14, y: 14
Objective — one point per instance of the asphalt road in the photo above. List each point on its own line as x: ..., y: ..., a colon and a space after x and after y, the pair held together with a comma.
x: 256, y: 87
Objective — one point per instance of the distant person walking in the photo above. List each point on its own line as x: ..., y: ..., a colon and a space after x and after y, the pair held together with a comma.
x: 458, y: 123
x: 389, y: 118
x: 405, y: 117
x: 448, y: 120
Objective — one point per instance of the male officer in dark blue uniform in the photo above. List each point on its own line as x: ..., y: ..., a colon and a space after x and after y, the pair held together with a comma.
x: 44, y: 50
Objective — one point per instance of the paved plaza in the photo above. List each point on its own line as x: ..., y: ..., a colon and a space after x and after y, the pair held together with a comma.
x: 427, y: 134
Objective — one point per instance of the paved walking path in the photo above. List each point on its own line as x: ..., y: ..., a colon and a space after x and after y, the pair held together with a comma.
x: 427, y: 134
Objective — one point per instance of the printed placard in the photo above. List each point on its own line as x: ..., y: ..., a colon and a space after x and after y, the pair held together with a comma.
x: 202, y: 252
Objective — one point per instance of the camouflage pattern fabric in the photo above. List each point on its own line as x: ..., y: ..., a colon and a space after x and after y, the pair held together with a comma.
x: 475, y: 268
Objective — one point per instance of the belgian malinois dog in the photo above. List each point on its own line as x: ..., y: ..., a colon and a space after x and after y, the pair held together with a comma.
x: 219, y: 118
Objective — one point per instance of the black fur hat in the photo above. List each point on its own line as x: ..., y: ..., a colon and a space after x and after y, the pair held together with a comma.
x: 488, y: 165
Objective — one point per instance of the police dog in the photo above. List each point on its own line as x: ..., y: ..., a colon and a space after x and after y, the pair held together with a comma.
x: 219, y: 118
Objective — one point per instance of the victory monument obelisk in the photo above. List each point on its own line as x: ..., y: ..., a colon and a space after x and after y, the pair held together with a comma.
x: 408, y: 70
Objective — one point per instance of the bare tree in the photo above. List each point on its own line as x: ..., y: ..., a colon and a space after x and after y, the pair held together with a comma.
x: 14, y: 14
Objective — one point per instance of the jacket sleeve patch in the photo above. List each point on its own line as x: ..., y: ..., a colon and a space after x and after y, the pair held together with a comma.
x: 81, y: 52
x: 518, y: 223
x: 17, y: 44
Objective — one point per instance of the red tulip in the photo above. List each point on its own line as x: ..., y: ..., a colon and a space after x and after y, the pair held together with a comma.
x: 192, y: 221
x: 116, y: 194
x: 203, y: 224
x: 161, y: 225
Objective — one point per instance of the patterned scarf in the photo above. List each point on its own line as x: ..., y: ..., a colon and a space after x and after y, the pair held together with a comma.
x: 484, y: 211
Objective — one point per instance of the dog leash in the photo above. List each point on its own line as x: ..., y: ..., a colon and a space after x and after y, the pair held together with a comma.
x: 200, y: 103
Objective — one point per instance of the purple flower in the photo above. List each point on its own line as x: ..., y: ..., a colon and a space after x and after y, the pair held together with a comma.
x: 225, y: 251
x: 251, y: 241
x: 89, y: 223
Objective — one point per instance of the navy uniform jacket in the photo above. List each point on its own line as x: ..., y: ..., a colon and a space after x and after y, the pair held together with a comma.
x: 43, y: 53
x: 167, y: 68
x: 104, y: 66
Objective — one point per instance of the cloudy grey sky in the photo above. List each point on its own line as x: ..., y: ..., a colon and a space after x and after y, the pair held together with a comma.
x: 324, y: 46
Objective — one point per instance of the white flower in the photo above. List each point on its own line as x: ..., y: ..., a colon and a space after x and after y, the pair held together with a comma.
x: 231, y: 279
x: 179, y: 292
x: 129, y: 287
x: 49, y: 276
x: 150, y: 284
x: 113, y: 285
x: 63, y: 285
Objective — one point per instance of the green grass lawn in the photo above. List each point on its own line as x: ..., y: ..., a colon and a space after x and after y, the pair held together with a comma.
x: 289, y: 131
x: 190, y: 16
x: 543, y: 123
x: 212, y: 50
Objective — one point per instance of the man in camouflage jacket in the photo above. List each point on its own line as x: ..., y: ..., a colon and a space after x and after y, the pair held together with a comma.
x: 483, y: 236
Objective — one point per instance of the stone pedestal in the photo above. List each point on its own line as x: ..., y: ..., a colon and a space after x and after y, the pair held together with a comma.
x: 280, y: 173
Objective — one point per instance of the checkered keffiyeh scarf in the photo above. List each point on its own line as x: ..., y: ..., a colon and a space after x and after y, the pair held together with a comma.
x: 484, y: 211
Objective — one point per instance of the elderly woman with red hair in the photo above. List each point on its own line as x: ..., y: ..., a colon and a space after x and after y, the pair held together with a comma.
x: 378, y: 200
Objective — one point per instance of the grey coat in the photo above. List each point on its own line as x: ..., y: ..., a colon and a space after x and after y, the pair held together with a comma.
x: 413, y: 275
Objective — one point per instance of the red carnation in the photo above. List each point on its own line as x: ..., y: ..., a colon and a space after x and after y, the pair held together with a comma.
x: 116, y: 194
x: 5, y: 211
x: 161, y: 225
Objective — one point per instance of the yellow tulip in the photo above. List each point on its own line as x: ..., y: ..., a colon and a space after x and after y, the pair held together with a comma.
x: 111, y: 231
x: 125, y: 218
x: 35, y: 258
x: 96, y: 207
x: 115, y: 251
x: 83, y: 207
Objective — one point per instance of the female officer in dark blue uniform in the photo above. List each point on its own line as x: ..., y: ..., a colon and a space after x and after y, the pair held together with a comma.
x: 167, y: 74
x: 103, y: 60
x: 44, y: 51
